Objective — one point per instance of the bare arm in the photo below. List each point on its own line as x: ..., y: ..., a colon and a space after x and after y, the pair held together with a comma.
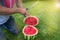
x: 19, y: 9
x: 20, y: 5
x: 5, y: 10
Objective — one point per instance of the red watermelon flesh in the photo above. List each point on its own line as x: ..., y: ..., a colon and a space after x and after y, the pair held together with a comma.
x: 31, y: 20
x: 30, y: 30
x: 7, y: 3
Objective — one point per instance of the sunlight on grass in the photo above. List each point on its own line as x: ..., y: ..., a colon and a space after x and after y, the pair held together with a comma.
x: 49, y: 19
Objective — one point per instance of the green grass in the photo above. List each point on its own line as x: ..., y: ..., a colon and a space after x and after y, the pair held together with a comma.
x: 49, y: 21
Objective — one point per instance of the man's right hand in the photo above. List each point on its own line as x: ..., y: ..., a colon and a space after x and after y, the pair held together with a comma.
x: 7, y: 11
x: 23, y: 11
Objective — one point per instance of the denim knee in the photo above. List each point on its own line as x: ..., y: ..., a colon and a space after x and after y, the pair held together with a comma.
x: 14, y: 31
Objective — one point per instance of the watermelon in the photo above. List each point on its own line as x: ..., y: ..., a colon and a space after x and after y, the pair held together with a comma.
x: 30, y: 30
x: 9, y: 3
x: 31, y: 20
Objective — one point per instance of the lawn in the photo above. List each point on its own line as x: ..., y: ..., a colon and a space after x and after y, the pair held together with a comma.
x: 49, y: 21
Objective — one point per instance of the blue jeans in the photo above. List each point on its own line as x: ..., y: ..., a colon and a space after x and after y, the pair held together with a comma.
x: 10, y: 26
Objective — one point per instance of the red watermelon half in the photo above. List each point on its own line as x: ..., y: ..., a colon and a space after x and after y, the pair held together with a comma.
x: 29, y: 30
x: 31, y: 20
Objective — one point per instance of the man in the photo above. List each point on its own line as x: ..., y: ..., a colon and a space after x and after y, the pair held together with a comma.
x: 6, y: 20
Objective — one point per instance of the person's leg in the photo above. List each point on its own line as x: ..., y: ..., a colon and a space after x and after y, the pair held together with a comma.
x: 11, y: 26
x: 2, y: 36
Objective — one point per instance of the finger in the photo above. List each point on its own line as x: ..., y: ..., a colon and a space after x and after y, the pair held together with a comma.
x: 26, y: 14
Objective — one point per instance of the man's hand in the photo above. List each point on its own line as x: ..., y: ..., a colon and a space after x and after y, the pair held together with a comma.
x: 23, y: 11
x: 4, y: 11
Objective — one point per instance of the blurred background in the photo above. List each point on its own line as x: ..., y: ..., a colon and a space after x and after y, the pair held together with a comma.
x: 48, y: 13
